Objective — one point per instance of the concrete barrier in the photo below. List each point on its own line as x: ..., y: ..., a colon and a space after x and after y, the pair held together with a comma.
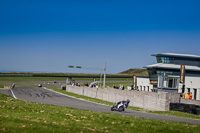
x: 142, y: 99
x: 161, y: 101
x: 190, y: 101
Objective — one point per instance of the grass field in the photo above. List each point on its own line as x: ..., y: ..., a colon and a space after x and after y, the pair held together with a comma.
x: 1, y: 86
x: 109, y: 81
x: 20, y: 116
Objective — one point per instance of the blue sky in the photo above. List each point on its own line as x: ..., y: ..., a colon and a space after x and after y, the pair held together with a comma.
x: 47, y: 36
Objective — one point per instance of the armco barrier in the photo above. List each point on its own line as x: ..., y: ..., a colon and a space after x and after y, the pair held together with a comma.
x: 147, y: 100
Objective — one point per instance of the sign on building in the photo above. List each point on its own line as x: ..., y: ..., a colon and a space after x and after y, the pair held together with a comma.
x: 134, y: 82
x: 182, y: 74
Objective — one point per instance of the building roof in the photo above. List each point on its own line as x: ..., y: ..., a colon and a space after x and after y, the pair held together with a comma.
x: 173, y: 66
x: 178, y: 55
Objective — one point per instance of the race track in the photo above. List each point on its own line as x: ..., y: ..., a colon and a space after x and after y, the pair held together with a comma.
x: 41, y: 95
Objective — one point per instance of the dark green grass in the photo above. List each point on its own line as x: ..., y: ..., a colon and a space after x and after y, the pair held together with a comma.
x: 1, y: 86
x: 169, y: 113
x: 20, y: 116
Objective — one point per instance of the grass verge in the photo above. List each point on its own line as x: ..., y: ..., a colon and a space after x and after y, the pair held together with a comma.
x: 169, y: 113
x: 1, y: 86
x: 20, y: 116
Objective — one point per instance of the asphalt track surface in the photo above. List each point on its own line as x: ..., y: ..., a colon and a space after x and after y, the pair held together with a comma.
x: 42, y: 95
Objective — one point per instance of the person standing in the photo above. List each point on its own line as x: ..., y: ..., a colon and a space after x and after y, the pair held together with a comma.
x: 190, y: 96
x: 13, y: 85
x: 186, y: 96
x: 121, y: 87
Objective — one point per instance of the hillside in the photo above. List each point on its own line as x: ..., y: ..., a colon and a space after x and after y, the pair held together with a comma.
x: 137, y: 72
x: 124, y: 74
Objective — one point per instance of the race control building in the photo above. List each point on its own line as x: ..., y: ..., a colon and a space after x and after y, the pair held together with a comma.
x: 165, y: 75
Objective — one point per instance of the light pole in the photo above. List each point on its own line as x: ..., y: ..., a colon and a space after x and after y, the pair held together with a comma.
x: 104, y: 81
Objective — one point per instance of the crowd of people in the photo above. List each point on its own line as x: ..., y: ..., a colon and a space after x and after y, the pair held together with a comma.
x: 121, y: 87
x: 188, y: 95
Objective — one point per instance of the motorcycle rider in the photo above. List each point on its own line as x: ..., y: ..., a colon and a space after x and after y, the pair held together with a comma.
x: 125, y: 102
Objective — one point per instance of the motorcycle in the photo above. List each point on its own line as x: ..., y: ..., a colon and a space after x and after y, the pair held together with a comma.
x: 120, y: 106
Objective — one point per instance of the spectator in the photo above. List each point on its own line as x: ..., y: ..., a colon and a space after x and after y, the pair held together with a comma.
x: 190, y: 96
x: 86, y: 84
x: 78, y: 84
x: 13, y: 85
x: 115, y: 87
x: 120, y: 86
x: 186, y: 96
x: 72, y: 82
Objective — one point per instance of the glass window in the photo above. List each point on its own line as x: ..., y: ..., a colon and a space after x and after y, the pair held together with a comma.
x: 178, y: 60
x: 159, y: 59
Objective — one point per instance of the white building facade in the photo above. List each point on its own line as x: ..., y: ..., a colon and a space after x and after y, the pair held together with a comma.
x: 165, y: 75
x: 192, y: 84
x: 143, y: 84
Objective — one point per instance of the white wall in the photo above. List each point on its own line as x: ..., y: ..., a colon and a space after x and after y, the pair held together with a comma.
x: 143, y: 84
x: 193, y: 83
